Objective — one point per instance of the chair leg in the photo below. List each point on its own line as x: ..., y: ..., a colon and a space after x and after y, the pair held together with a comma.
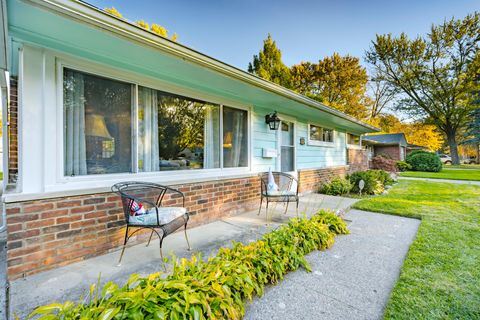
x: 161, y: 253
x: 286, y: 207
x: 124, y: 245
x: 186, y: 238
x: 260, y: 209
x: 297, y: 206
x: 150, y: 239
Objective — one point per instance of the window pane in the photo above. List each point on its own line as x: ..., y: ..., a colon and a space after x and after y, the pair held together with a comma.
x: 177, y: 133
x: 235, y: 138
x: 315, y: 133
x: 97, y: 124
x: 321, y: 134
x: 287, y: 160
x: 353, y: 139
x: 287, y: 134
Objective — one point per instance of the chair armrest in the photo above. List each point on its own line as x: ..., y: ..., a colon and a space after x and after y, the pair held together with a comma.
x: 171, y: 190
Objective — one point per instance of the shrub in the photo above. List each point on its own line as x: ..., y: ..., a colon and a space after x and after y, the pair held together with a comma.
x: 424, y: 161
x: 336, y: 187
x: 373, y: 185
x: 216, y: 288
x: 382, y: 176
x: 382, y: 163
x: 403, y: 166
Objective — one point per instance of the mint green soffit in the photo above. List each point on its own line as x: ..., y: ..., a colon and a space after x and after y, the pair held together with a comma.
x: 81, y: 30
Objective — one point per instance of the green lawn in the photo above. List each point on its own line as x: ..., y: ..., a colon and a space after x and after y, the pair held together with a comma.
x: 440, y: 278
x: 446, y: 173
x: 463, y: 166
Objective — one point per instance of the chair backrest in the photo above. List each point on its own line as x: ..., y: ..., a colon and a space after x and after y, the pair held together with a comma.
x: 141, y: 192
x: 283, y: 180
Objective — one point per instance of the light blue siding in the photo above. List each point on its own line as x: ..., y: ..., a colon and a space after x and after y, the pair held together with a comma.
x: 307, y: 156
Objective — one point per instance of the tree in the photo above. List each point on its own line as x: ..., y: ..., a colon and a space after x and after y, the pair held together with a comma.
x: 268, y: 64
x: 383, y: 95
x: 155, y: 28
x: 432, y: 73
x: 339, y: 82
x: 302, y: 78
x: 422, y: 134
x: 472, y: 134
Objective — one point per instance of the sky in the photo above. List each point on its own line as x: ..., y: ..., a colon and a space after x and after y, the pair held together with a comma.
x: 304, y: 30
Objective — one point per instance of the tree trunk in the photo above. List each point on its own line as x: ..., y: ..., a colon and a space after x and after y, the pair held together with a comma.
x: 478, y: 154
x: 452, y: 143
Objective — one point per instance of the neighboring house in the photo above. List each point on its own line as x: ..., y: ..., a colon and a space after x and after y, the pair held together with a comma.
x: 392, y: 145
x: 414, y: 147
x: 101, y: 100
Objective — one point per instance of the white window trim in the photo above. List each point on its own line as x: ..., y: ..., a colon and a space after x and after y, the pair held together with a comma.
x: 278, y: 142
x: 353, y: 146
x: 63, y: 182
x: 317, y: 143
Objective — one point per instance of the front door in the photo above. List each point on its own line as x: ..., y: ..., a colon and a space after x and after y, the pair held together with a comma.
x: 287, y: 146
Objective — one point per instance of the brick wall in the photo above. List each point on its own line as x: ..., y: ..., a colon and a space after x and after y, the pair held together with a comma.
x: 391, y: 151
x: 13, y: 131
x: 357, y: 159
x: 311, y: 179
x: 44, y: 234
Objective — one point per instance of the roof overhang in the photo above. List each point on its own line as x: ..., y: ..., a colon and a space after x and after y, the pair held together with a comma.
x: 92, y: 16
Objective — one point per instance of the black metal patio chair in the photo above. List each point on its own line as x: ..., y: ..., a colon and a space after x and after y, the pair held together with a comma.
x: 142, y: 207
x: 284, y: 193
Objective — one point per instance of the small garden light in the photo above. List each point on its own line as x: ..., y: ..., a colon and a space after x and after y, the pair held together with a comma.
x: 272, y: 120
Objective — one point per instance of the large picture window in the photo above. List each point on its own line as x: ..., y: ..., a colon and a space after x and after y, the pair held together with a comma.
x: 177, y: 133
x: 98, y: 122
x: 173, y: 132
x: 235, y: 138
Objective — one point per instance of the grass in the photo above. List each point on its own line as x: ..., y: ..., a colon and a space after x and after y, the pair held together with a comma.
x: 463, y: 166
x: 446, y: 173
x: 440, y: 278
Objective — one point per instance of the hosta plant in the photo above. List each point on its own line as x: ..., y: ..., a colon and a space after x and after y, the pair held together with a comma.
x: 213, y: 288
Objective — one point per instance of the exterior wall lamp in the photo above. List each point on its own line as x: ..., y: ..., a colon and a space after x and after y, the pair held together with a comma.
x: 272, y: 120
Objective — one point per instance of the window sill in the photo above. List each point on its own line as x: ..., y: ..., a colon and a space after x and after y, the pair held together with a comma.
x: 321, y: 144
x: 354, y: 146
x: 102, y: 185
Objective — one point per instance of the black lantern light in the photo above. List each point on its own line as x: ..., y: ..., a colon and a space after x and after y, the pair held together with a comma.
x: 272, y: 120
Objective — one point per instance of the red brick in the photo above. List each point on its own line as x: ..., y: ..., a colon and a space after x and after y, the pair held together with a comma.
x: 37, y: 208
x: 82, y: 209
x: 54, y: 214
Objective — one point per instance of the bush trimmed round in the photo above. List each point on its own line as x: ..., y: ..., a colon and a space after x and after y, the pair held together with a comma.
x: 424, y: 161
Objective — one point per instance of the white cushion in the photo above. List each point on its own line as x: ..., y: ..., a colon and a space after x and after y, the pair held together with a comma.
x: 165, y: 215
x: 271, y: 186
x: 281, y: 193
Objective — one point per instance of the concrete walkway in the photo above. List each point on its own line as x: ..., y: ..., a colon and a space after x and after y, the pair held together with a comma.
x: 352, y: 280
x: 477, y: 183
x: 378, y: 242
x: 69, y: 282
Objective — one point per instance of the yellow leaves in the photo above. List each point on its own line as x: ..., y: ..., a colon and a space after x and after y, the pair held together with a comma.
x: 155, y: 28
x: 158, y: 29
x: 113, y: 11
x: 142, y: 24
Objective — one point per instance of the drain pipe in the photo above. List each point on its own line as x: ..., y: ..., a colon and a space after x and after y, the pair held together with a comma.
x: 3, y: 106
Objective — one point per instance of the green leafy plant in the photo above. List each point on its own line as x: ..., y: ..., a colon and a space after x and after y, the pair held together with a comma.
x: 424, y: 161
x: 382, y: 176
x: 337, y: 186
x: 372, y: 183
x: 213, y: 288
x: 403, y: 166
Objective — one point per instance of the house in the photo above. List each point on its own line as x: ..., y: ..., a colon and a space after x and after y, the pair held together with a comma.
x: 415, y: 147
x: 393, y: 145
x: 95, y: 100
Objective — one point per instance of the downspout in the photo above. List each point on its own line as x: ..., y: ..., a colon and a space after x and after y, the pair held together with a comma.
x: 4, y: 92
